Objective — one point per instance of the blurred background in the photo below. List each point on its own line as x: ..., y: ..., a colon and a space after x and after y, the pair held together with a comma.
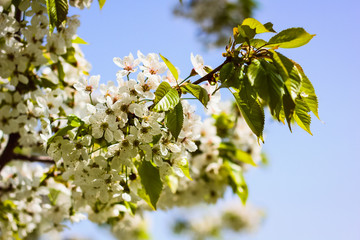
x: 310, y: 189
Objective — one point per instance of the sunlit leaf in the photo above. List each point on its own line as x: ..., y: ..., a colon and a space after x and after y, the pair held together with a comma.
x: 197, y: 91
x: 171, y: 67
x: 255, y: 24
x: 302, y: 116
x: 166, y: 97
x: 79, y: 40
x: 57, y: 11
x: 290, y: 38
x: 101, y: 3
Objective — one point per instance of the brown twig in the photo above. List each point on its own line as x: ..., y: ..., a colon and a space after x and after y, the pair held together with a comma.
x: 8, y: 152
x: 42, y: 159
x: 210, y: 75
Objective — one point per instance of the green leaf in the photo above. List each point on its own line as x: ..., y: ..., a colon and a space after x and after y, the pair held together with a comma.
x: 186, y: 170
x: 250, y: 109
x: 151, y: 182
x: 289, y: 107
x: 236, y: 154
x: 237, y: 180
x: 243, y: 33
x: 256, y: 43
x: 173, y: 182
x: 69, y: 56
x: 166, y: 97
x: 268, y: 84
x: 197, y: 91
x: 74, y: 121
x: 57, y: 11
x: 255, y: 24
x: 269, y: 27
x: 61, y: 73
x: 101, y: 3
x: 175, y: 120
x: 302, y: 116
x: 290, y: 73
x: 79, y: 40
x: 307, y: 92
x: 62, y: 132
x: 132, y: 207
x: 46, y: 83
x: 53, y: 195
x: 230, y: 76
x: 171, y: 67
x: 290, y: 38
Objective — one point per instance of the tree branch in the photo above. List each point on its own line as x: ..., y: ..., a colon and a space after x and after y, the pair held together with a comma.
x: 209, y: 76
x: 8, y: 152
x: 42, y: 159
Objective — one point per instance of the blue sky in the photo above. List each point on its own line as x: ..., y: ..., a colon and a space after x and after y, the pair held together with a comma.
x: 311, y: 188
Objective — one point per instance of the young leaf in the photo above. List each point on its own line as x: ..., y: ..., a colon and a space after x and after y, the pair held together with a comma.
x: 101, y: 3
x: 151, y: 182
x: 255, y: 24
x: 186, y: 170
x: 175, y: 120
x: 290, y: 38
x: 250, y: 109
x: 237, y: 180
x: 166, y: 97
x: 302, y: 116
x: 171, y: 67
x: 268, y: 84
x: 243, y: 33
x: 57, y: 11
x: 199, y: 92
x: 79, y: 40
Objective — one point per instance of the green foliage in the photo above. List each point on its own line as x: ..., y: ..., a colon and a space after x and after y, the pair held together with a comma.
x: 151, y: 182
x: 69, y: 56
x: 250, y: 109
x: 290, y: 38
x: 171, y: 67
x: 166, y: 97
x: 57, y: 11
x: 175, y: 120
x: 258, y: 76
x: 101, y: 3
x: 199, y: 92
x: 237, y: 180
x: 229, y: 151
x: 79, y: 40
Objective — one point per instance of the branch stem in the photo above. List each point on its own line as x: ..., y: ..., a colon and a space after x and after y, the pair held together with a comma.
x: 209, y: 76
